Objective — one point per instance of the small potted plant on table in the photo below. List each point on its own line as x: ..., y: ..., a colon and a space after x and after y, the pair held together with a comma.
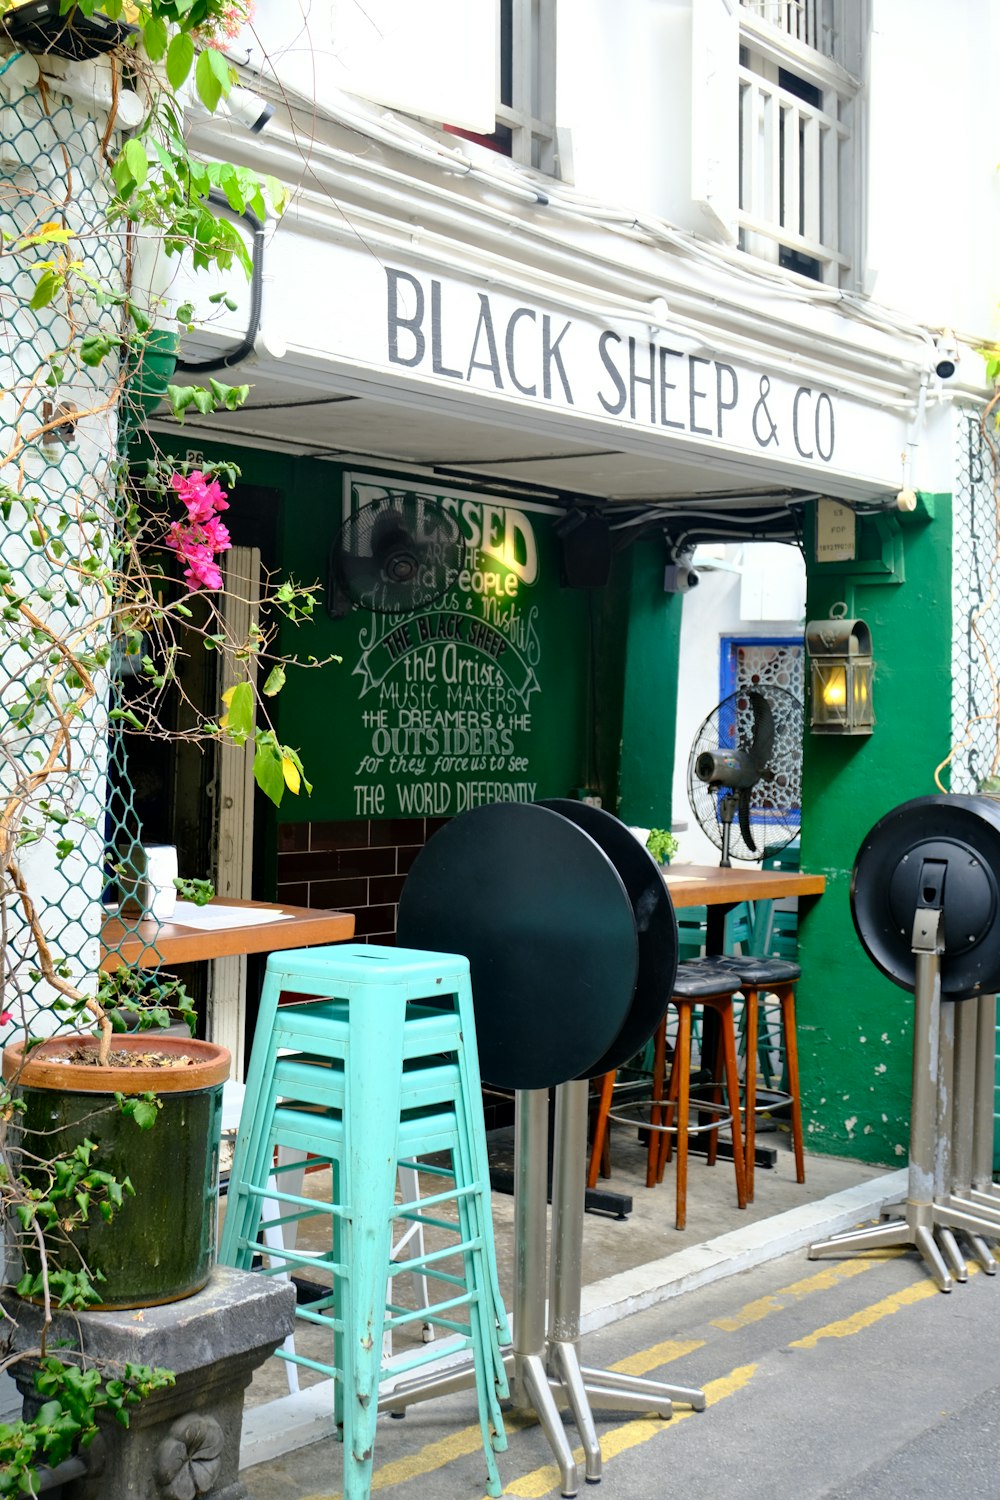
x: 662, y: 845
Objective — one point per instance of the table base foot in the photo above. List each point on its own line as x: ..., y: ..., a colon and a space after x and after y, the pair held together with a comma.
x: 566, y: 1376
x: 534, y: 1382
x: 657, y: 1396
x: 884, y: 1237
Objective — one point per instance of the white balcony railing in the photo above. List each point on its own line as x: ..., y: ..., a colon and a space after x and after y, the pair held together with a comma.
x: 805, y: 21
x: 790, y: 154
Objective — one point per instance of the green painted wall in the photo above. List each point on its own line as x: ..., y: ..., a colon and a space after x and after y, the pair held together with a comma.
x: 854, y: 1025
x: 649, y: 708
x: 544, y: 640
x: 482, y: 696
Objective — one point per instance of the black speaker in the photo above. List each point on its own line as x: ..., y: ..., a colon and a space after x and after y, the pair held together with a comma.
x: 584, y: 551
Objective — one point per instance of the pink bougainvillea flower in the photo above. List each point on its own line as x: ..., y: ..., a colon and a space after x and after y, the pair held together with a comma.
x: 202, y: 497
x: 202, y: 571
x: 216, y: 534
x: 6, y: 1016
x: 197, y: 540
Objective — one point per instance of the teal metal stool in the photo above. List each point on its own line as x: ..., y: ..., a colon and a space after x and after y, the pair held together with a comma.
x: 380, y: 1069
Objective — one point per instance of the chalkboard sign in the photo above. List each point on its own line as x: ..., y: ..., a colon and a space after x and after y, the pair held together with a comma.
x: 478, y: 696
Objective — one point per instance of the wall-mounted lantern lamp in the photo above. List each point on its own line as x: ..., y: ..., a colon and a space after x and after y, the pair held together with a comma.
x: 841, y: 667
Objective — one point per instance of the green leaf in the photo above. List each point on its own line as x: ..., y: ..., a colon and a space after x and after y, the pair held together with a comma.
x: 48, y: 285
x: 239, y: 716
x: 136, y: 160
x: 180, y: 56
x: 212, y: 77
x: 268, y: 773
x: 275, y: 682
x: 277, y: 192
x: 145, y: 1114
x: 154, y: 37
x: 96, y: 346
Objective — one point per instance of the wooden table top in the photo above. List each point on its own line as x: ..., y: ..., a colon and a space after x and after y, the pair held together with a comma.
x: 154, y: 943
x: 709, y: 885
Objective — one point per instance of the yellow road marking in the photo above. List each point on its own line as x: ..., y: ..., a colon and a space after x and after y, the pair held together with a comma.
x: 618, y: 1440
x: 433, y: 1456
x: 822, y: 1281
x: 659, y: 1354
x: 867, y: 1316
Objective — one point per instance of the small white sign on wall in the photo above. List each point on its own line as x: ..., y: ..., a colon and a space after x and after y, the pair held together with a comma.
x: 835, y: 532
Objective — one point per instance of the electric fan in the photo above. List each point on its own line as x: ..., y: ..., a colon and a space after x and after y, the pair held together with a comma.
x: 746, y: 763
x: 394, y: 555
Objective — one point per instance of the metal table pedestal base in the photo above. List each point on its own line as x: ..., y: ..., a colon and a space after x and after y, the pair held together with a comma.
x: 543, y: 1365
x: 927, y: 1222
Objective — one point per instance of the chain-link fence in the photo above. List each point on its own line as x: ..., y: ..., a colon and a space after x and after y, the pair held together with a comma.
x: 976, y: 624
x: 61, y: 478
x: 975, y: 607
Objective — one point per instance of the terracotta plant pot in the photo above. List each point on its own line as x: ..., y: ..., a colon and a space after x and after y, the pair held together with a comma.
x: 160, y: 1245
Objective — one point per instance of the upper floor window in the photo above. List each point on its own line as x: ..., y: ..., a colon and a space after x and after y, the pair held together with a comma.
x: 799, y: 160
x: 525, y: 85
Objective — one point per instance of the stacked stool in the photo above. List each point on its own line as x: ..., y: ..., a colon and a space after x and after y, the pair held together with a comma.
x: 379, y: 1070
x: 697, y: 984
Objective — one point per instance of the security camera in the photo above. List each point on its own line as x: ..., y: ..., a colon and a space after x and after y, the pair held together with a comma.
x: 679, y: 578
x: 240, y: 105
x: 946, y: 350
x: 248, y: 109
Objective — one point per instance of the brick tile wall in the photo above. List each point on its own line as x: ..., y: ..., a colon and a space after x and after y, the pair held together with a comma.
x: 352, y: 866
x: 360, y: 867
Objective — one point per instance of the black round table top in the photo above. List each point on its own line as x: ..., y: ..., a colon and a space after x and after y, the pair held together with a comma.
x: 656, y: 925
x: 548, y: 928
x: 928, y: 852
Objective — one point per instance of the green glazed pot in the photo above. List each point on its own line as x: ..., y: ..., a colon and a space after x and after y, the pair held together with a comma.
x: 160, y: 1245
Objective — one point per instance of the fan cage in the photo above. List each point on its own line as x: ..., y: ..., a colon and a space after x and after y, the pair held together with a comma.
x: 432, y: 539
x: 774, y: 820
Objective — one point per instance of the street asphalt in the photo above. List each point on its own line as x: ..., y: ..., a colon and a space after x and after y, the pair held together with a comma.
x: 850, y: 1379
x: 846, y: 1380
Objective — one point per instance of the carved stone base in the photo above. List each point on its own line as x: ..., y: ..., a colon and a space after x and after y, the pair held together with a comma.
x: 182, y: 1442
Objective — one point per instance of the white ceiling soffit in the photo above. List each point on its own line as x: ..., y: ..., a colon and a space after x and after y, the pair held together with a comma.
x: 299, y: 418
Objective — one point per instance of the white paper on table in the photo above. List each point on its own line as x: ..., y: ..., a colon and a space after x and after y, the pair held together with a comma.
x: 214, y: 917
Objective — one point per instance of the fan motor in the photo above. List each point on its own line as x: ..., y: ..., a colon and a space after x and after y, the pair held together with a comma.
x: 726, y: 768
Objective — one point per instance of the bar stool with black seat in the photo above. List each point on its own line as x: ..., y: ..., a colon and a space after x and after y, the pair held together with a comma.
x: 713, y: 989
x: 697, y: 984
x: 778, y: 977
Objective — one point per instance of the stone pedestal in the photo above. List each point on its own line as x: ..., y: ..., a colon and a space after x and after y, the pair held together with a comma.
x: 182, y: 1442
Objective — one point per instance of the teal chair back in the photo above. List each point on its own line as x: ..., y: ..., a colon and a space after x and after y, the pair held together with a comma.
x: 776, y: 932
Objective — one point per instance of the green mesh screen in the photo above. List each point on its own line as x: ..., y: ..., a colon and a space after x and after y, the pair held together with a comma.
x: 67, y: 797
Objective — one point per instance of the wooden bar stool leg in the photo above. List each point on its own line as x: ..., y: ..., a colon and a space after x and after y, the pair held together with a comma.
x: 656, y: 1112
x: 666, y: 1141
x: 597, y: 1150
x: 733, y: 1089
x: 682, y: 1068
x: 787, y: 998
x: 718, y: 1073
x: 750, y: 1023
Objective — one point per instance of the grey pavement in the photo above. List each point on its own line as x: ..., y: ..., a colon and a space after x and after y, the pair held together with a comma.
x: 642, y: 1284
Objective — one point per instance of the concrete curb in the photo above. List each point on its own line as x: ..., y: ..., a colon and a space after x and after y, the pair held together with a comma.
x: 292, y: 1422
x: 628, y: 1292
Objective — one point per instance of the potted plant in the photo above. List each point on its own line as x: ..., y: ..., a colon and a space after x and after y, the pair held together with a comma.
x: 99, y: 568
x: 662, y: 845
